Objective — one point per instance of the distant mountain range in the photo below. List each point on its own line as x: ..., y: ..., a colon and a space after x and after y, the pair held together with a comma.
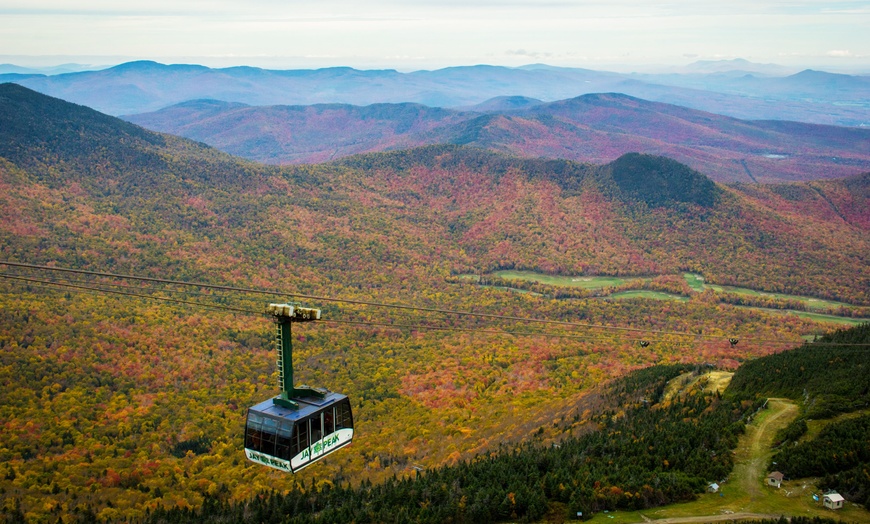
x: 137, y: 87
x: 48, y: 70
x: 591, y: 128
x: 736, y: 66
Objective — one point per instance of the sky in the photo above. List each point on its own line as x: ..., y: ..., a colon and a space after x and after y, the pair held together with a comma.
x: 428, y: 34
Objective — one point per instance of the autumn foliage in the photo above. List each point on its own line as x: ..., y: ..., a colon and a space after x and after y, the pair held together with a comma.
x: 114, y: 406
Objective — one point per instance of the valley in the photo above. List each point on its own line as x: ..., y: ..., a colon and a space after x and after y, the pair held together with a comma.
x: 633, y: 287
x: 660, y: 391
x: 434, y: 262
x: 126, y: 400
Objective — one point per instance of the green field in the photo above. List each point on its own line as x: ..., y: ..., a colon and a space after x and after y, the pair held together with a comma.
x: 642, y: 293
x: 584, y: 282
x: 697, y: 283
x: 818, y: 317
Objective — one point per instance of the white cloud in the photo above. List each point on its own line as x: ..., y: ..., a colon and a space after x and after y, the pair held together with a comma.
x: 446, y: 32
x: 527, y: 54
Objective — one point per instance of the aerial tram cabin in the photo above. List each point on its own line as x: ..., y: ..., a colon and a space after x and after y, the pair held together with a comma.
x: 302, y: 424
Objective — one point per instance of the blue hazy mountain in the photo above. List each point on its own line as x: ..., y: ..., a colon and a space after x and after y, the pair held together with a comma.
x: 144, y: 86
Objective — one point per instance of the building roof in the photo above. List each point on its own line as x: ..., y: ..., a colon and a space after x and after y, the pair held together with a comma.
x: 835, y: 497
x: 776, y: 475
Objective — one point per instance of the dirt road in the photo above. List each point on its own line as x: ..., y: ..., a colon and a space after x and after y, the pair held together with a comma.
x: 752, y: 458
x: 715, y: 518
x: 752, y: 455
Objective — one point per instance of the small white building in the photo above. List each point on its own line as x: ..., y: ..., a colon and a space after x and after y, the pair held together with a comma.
x: 713, y: 488
x: 775, y: 479
x: 833, y: 500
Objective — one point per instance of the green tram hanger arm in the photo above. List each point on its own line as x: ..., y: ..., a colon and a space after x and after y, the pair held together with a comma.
x: 284, y: 316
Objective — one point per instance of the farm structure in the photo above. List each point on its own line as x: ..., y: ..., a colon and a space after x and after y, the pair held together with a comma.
x: 833, y: 500
x: 775, y: 479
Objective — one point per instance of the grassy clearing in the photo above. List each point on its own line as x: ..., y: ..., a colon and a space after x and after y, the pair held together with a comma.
x: 712, y: 381
x: 828, y: 318
x: 476, y: 278
x: 642, y: 293
x: 697, y: 283
x: 812, y: 303
x: 818, y: 317
x: 745, y: 490
x: 717, y: 381
x: 584, y: 282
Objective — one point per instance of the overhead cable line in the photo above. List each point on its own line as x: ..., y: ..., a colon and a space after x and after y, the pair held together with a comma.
x: 127, y: 293
x: 66, y: 280
x: 362, y: 302
x: 377, y: 324
x: 469, y: 330
x: 353, y: 322
x: 330, y: 321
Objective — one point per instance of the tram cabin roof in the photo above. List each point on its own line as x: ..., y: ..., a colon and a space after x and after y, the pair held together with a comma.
x: 307, y: 406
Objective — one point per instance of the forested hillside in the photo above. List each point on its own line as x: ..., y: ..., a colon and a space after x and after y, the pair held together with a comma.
x: 649, y: 451
x: 118, y: 405
x: 454, y: 208
x: 565, y: 218
x: 646, y: 452
x: 829, y: 378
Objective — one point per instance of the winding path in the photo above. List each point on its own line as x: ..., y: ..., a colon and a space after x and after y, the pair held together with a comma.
x: 715, y: 518
x: 752, y: 459
x: 753, y: 453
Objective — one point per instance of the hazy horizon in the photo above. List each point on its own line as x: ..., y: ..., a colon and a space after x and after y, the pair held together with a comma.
x: 53, y: 65
x: 623, y: 36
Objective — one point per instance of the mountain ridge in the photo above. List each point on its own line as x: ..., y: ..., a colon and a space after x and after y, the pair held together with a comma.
x: 145, y: 86
x: 471, y: 201
x: 589, y: 128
